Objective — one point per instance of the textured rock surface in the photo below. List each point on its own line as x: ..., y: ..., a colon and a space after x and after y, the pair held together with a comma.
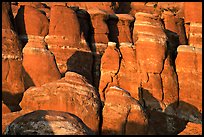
x: 105, y: 6
x: 122, y: 114
x: 98, y: 18
x: 5, y: 109
x: 10, y: 117
x: 12, y: 80
x: 38, y: 61
x: 109, y: 68
x: 152, y: 50
x: 192, y: 129
x: 64, y: 41
x: 48, y: 122
x: 71, y: 94
x: 30, y: 21
x: 189, y: 71
x: 128, y: 69
x: 123, y: 26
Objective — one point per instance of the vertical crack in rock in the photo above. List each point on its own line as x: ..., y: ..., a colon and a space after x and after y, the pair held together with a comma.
x: 126, y: 120
x: 120, y: 60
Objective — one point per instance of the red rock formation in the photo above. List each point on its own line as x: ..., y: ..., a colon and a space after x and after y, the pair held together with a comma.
x: 98, y: 18
x: 37, y: 59
x: 71, y: 94
x: 5, y: 109
x: 128, y: 69
x: 30, y: 21
x: 109, y: 68
x: 192, y: 14
x: 122, y: 114
x: 148, y: 7
x: 124, y: 27
x: 48, y: 122
x: 64, y: 41
x: 12, y: 80
x: 189, y: 70
x: 195, y: 35
x: 104, y: 6
x: 97, y: 51
x: 169, y: 82
x: 150, y: 42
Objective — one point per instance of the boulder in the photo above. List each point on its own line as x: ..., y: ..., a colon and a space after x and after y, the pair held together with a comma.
x: 192, y: 12
x: 8, y: 118
x: 122, y: 114
x: 72, y: 94
x: 47, y: 122
x: 107, y: 7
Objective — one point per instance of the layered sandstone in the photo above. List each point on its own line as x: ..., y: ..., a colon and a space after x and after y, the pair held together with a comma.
x: 65, y: 43
x: 189, y: 70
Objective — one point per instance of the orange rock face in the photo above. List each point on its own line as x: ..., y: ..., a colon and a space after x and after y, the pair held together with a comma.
x: 5, y: 109
x: 109, y: 68
x: 192, y: 12
x: 64, y: 41
x: 38, y: 61
x: 189, y: 71
x: 123, y: 26
x: 128, y: 69
x: 12, y: 80
x: 122, y: 114
x: 121, y: 67
x: 98, y: 18
x: 71, y: 94
x: 35, y: 52
x: 30, y: 21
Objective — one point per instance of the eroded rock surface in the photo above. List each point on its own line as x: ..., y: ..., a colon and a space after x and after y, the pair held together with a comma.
x: 48, y: 122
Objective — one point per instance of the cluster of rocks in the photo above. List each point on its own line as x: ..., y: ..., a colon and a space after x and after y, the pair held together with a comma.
x: 110, y: 68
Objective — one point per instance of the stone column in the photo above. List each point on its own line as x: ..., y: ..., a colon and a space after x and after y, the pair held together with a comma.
x: 38, y: 62
x: 12, y: 74
x: 64, y: 40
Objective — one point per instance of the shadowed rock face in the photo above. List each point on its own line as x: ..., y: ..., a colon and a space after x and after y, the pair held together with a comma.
x: 71, y: 94
x: 48, y: 122
x: 12, y: 80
